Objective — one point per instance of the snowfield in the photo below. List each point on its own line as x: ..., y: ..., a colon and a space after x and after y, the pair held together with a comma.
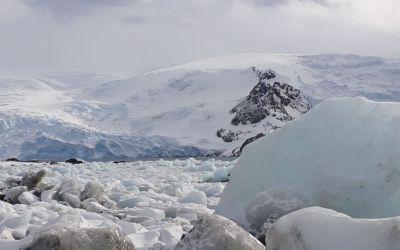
x: 147, y: 203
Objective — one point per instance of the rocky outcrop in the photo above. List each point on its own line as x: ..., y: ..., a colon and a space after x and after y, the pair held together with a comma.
x: 269, y: 106
x: 74, y: 161
x: 250, y: 140
x: 269, y: 98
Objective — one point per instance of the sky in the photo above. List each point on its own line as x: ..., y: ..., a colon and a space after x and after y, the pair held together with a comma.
x: 126, y: 35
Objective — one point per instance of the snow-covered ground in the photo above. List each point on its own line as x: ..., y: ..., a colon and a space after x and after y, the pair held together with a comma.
x: 184, y: 105
x: 153, y: 203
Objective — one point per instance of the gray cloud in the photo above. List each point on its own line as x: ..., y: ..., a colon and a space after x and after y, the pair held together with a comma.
x: 122, y: 35
x: 283, y: 2
x: 134, y: 19
x: 71, y: 7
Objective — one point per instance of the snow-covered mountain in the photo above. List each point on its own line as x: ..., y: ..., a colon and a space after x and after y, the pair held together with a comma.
x: 183, y: 106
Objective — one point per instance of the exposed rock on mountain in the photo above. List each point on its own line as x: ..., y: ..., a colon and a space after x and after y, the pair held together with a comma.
x: 269, y: 105
x: 269, y: 98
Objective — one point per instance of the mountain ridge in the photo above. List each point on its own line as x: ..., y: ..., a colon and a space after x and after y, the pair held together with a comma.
x: 189, y: 103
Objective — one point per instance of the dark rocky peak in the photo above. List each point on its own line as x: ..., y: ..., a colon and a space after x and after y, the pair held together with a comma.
x: 269, y: 98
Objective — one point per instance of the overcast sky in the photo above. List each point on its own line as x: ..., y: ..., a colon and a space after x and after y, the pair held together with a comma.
x: 121, y: 35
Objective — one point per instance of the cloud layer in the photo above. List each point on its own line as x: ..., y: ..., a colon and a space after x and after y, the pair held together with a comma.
x: 122, y: 35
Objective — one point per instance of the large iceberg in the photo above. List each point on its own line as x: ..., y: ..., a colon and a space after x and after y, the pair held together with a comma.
x: 344, y: 155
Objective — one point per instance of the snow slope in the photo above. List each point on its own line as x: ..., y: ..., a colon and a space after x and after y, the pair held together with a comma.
x: 186, y: 103
x: 342, y: 155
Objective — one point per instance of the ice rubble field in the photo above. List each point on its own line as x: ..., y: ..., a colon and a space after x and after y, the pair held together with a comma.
x: 153, y: 202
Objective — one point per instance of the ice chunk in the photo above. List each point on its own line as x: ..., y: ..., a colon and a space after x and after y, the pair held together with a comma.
x: 131, y: 228
x: 13, y: 181
x: 93, y: 190
x: 206, y: 166
x: 137, y: 182
x: 95, y: 207
x: 215, y: 232
x: 132, y: 200
x: 188, y: 216
x: 27, y: 198
x: 170, y: 235
x: 214, y: 189
x: 70, y: 186
x: 178, y: 189
x: 220, y: 175
x: 6, y: 234
x: 13, y: 193
x: 185, y: 208
x: 185, y: 178
x: 318, y: 228
x: 15, y: 221
x: 144, y: 240
x: 156, y: 214
x: 71, y: 199
x: 197, y: 197
x: 47, y: 195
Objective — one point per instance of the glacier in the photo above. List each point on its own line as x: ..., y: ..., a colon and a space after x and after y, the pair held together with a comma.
x: 44, y: 138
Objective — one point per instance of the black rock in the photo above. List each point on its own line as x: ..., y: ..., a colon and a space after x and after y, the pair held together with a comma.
x: 227, y: 135
x: 250, y: 140
x: 13, y: 159
x: 74, y: 161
